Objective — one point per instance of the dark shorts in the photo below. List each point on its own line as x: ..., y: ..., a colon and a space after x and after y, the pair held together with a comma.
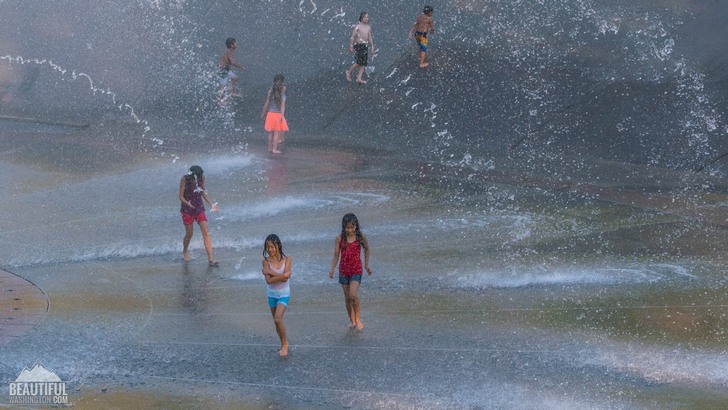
x: 362, y: 54
x: 188, y: 219
x: 345, y: 280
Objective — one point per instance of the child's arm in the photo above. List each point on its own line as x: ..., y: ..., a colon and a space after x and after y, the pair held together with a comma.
x: 287, y: 269
x: 267, y: 272
x: 365, y: 245
x: 283, y: 104
x: 265, y: 106
x: 371, y: 41
x: 351, y: 40
x: 272, y: 277
x: 212, y: 203
x: 337, y: 247
x: 182, y: 194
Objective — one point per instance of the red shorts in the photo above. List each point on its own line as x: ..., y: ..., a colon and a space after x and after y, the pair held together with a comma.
x: 188, y: 219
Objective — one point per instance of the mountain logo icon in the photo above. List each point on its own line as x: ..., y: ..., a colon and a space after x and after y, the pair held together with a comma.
x: 37, y: 374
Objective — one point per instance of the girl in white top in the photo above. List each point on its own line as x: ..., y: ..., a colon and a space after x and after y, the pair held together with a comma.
x: 277, y: 271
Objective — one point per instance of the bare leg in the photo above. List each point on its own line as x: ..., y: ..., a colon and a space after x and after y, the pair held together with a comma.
x: 276, y: 142
x: 221, y: 95
x: 234, y: 87
x: 423, y: 64
x: 208, y: 243
x: 350, y: 71
x: 359, y: 74
x: 186, y: 243
x: 222, y: 91
x: 355, y: 306
x: 349, y: 308
x: 271, y: 141
x: 278, y: 312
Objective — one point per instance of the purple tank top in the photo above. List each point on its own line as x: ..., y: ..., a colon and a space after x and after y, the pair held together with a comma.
x: 193, y: 193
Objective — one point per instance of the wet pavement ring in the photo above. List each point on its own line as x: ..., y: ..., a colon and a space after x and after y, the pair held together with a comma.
x: 22, y: 306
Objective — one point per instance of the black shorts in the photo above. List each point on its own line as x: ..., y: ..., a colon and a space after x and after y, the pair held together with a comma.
x: 362, y: 54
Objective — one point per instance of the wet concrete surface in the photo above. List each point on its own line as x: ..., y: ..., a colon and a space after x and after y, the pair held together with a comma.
x: 546, y: 205
x: 585, y: 306
x: 23, y: 305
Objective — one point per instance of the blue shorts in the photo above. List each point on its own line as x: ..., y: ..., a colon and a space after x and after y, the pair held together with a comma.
x: 272, y: 302
x: 345, y: 280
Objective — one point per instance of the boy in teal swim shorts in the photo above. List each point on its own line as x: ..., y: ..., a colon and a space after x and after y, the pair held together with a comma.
x: 420, y: 28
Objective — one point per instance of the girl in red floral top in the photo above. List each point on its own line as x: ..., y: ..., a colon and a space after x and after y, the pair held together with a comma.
x: 348, y: 247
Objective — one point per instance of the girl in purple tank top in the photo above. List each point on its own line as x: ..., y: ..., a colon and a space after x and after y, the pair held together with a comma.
x: 191, y: 194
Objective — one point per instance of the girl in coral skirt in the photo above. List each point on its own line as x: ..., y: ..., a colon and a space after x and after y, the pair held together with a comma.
x: 274, y: 111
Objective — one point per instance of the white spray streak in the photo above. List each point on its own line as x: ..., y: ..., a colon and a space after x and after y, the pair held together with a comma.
x: 340, y: 14
x: 75, y: 76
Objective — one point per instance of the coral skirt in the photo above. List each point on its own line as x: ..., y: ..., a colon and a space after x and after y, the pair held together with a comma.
x: 274, y: 121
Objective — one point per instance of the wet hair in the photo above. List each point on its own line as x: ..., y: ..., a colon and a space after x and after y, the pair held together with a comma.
x: 276, y: 241
x: 229, y: 42
x: 350, y: 219
x: 427, y: 9
x: 197, y: 171
x: 277, y: 89
x: 361, y: 16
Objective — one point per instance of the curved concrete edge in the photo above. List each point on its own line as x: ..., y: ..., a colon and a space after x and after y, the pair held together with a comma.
x: 22, y: 306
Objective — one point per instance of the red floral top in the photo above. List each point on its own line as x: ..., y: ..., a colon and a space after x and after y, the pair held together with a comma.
x: 350, y: 263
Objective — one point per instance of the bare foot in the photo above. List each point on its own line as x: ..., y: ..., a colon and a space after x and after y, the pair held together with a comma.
x: 186, y: 256
x: 352, y: 325
x: 360, y: 81
x: 348, y: 76
x: 423, y: 65
x: 283, y: 352
x: 276, y: 151
x: 360, y: 326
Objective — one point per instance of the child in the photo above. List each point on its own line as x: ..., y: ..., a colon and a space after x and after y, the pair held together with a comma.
x: 361, y: 38
x: 348, y: 245
x: 423, y: 23
x: 274, y: 113
x: 191, y: 193
x: 277, y: 271
x: 227, y: 76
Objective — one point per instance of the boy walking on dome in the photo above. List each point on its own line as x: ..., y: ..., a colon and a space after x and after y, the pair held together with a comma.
x: 420, y: 28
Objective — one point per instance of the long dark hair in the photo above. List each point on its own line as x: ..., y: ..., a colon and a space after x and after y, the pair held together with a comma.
x: 277, y: 89
x: 350, y: 219
x: 196, y: 172
x: 276, y: 241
